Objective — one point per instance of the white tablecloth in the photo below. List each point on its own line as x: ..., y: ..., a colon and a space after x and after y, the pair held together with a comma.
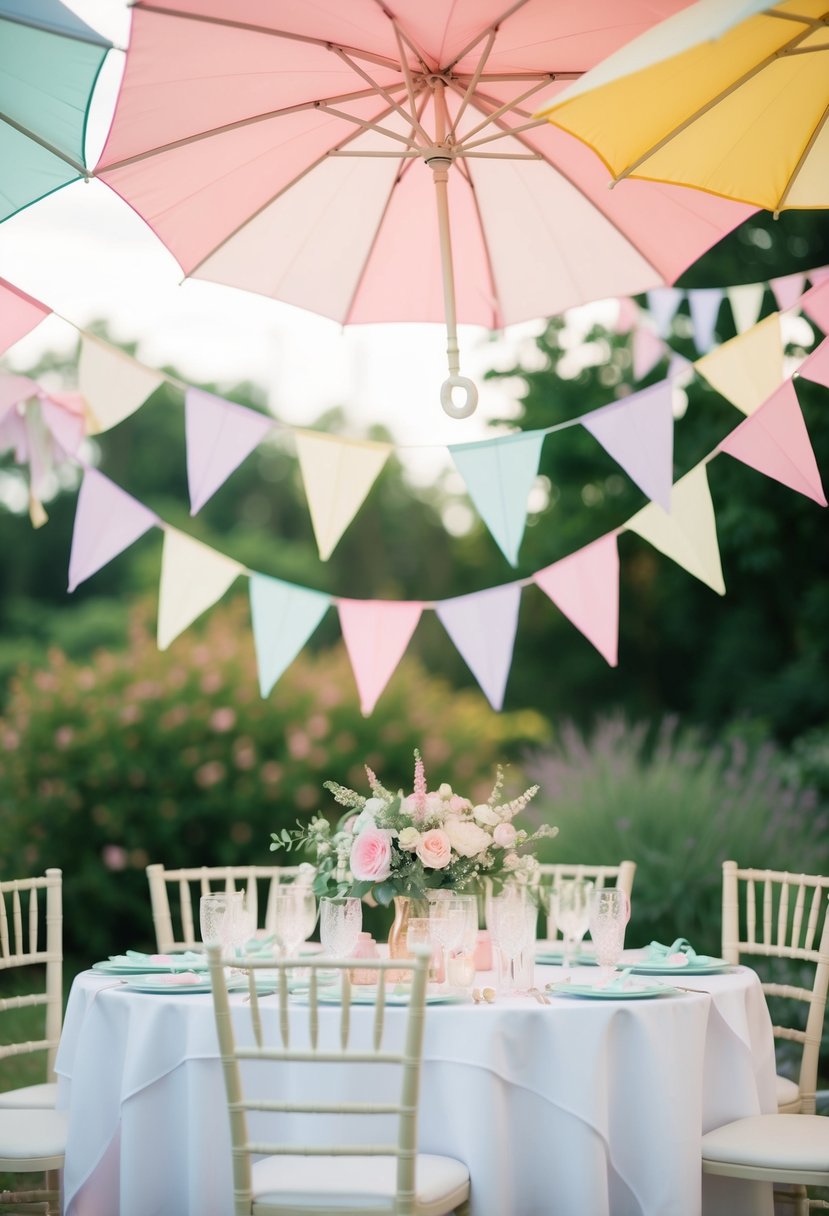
x: 578, y: 1108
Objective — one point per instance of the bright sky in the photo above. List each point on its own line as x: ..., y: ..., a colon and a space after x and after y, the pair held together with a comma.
x: 88, y: 256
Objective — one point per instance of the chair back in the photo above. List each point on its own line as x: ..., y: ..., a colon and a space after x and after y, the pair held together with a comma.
x: 175, y: 895
x: 620, y: 876
x: 774, y: 914
x: 31, y: 935
x: 253, y: 1033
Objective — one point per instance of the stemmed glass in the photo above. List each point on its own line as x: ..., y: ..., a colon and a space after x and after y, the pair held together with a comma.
x: 340, y: 923
x: 293, y: 913
x: 570, y: 902
x: 511, y: 918
x: 447, y: 921
x: 609, y: 915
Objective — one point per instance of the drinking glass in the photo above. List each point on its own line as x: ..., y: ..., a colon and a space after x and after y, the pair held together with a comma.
x: 609, y: 915
x: 570, y: 902
x: 460, y: 961
x: 447, y: 920
x: 340, y: 923
x: 511, y: 919
x: 219, y: 914
x: 293, y: 914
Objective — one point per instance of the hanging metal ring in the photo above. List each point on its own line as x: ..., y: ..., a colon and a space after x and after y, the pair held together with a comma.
x: 467, y: 406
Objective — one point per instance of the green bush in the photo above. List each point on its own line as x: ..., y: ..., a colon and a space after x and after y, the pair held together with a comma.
x: 139, y: 756
x: 678, y: 806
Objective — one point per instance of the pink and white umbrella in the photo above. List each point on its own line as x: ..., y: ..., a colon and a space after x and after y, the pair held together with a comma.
x: 379, y: 161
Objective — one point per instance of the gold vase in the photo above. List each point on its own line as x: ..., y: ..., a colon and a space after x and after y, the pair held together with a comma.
x: 404, y: 910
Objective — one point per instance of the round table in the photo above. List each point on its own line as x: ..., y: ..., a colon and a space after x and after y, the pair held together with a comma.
x: 574, y: 1108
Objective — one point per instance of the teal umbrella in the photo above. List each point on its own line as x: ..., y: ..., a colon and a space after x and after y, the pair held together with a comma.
x: 49, y: 63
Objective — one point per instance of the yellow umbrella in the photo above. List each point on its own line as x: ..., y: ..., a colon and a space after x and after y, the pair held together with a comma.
x: 728, y: 96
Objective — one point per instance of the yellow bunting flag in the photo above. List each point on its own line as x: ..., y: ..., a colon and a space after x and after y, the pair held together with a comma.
x: 193, y: 578
x: 689, y: 534
x: 749, y: 368
x: 337, y: 474
x: 113, y: 385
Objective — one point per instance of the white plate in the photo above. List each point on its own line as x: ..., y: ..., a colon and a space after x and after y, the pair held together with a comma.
x: 152, y: 983
x: 554, y: 958
x: 123, y: 964
x: 368, y: 996
x: 606, y: 993
x: 703, y: 964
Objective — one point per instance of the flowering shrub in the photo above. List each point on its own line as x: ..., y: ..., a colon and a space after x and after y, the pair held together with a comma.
x: 406, y: 844
x: 139, y: 756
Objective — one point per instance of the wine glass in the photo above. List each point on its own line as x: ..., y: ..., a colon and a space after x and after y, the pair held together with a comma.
x: 571, y: 903
x: 609, y: 915
x: 219, y: 913
x: 293, y: 914
x: 340, y: 923
x: 511, y: 918
x: 447, y: 920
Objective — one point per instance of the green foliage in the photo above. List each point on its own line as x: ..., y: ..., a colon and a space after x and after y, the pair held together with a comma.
x: 136, y: 756
x: 678, y: 805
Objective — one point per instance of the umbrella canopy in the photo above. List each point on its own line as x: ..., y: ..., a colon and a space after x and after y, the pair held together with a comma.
x: 49, y: 63
x: 729, y: 96
x: 315, y: 153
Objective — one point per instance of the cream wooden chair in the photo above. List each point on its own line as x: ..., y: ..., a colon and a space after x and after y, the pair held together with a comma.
x: 773, y: 1148
x: 621, y: 876
x: 346, y: 1179
x: 190, y: 884
x: 31, y: 936
x: 783, y: 916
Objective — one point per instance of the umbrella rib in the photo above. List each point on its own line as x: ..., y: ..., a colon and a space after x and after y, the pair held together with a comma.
x: 802, y: 160
x: 378, y: 88
x: 508, y: 105
x: 407, y: 76
x: 755, y: 70
x: 513, y: 8
x: 317, y: 104
x: 324, y: 43
x: 80, y: 169
x: 366, y: 125
x: 473, y: 81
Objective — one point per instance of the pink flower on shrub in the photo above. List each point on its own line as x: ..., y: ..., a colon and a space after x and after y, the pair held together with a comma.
x: 299, y: 745
x: 210, y: 774
x: 434, y: 849
x: 114, y: 857
x: 223, y: 719
x: 371, y: 856
x: 504, y: 835
x: 64, y: 736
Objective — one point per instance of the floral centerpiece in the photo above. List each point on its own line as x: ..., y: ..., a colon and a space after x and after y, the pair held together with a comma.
x: 388, y: 844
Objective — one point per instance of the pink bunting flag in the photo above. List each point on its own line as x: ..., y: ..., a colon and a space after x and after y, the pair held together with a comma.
x: 816, y: 367
x: 648, y: 349
x: 65, y: 416
x: 774, y: 440
x: 788, y: 290
x: 638, y: 432
x: 482, y: 626
x: 19, y: 314
x: 13, y: 390
x: 628, y: 316
x: 220, y: 435
x: 107, y: 521
x: 376, y: 634
x: 815, y: 304
x: 585, y: 587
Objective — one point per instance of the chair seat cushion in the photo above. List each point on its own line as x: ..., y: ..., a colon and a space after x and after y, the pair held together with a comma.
x: 787, y: 1142
x: 25, y: 1134
x: 37, y: 1097
x: 788, y: 1094
x: 365, y: 1183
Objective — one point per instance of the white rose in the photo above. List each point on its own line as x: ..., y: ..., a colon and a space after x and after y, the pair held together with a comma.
x: 466, y: 837
x: 408, y: 840
x: 485, y: 814
x: 433, y: 805
x: 445, y: 790
x: 373, y: 806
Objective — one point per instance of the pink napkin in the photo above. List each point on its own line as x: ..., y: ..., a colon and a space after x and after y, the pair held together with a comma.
x: 176, y: 978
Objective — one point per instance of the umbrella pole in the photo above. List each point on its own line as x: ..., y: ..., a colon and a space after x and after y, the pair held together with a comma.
x: 438, y: 161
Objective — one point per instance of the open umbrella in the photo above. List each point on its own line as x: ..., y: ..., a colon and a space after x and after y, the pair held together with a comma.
x: 49, y: 63
x: 730, y: 96
x: 293, y: 150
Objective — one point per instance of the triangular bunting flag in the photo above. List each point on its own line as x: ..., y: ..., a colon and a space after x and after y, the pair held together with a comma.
x: 819, y: 275
x: 638, y: 432
x: 63, y: 414
x: 788, y: 290
x: 648, y: 349
x: 107, y: 521
x: 815, y: 304
x: 220, y: 435
x: 283, y: 617
x: 746, y: 302
x: 816, y: 367
x: 704, y: 304
x: 482, y: 626
x: 14, y: 389
x: 113, y: 384
x: 689, y: 534
x: 628, y: 315
x: 585, y: 587
x: 338, y: 474
x: 774, y: 440
x: 19, y: 314
x: 749, y: 368
x: 193, y: 578
x: 499, y: 474
x: 376, y: 634
x: 663, y: 303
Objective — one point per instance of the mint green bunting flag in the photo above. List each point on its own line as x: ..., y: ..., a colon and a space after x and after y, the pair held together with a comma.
x: 499, y: 474
x: 284, y: 617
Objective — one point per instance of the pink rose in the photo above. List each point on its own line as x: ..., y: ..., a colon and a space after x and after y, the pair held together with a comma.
x: 504, y: 835
x: 434, y: 849
x: 371, y: 855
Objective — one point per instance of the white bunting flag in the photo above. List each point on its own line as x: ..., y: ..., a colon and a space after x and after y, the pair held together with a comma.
x: 689, y: 534
x: 705, y: 304
x: 663, y: 303
x: 337, y: 474
x: 113, y: 385
x: 499, y: 474
x: 193, y: 578
x: 746, y: 300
